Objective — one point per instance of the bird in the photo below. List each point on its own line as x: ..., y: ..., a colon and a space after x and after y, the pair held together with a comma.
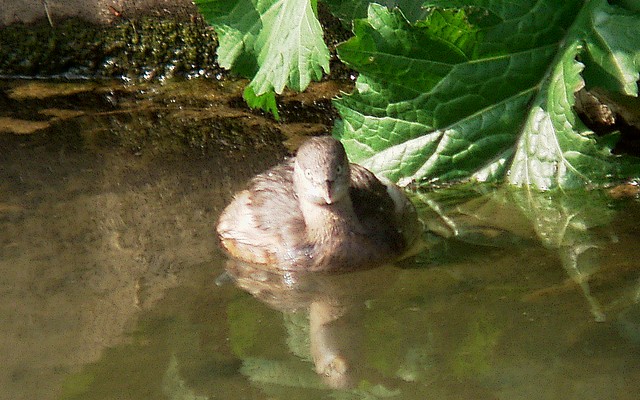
x: 319, y: 212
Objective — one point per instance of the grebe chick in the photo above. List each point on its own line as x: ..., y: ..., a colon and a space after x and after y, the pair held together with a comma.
x: 318, y: 212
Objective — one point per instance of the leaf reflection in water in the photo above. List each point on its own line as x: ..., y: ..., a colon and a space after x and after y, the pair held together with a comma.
x: 560, y: 221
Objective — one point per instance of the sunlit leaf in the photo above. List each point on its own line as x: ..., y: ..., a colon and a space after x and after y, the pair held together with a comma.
x: 489, y: 95
x: 277, y: 42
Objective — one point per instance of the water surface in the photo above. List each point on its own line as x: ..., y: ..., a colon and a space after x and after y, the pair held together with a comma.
x: 110, y: 280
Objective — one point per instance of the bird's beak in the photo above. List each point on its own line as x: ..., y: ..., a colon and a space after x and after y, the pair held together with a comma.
x: 329, y: 192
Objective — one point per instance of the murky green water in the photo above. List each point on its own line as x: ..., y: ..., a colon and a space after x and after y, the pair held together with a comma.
x: 110, y: 288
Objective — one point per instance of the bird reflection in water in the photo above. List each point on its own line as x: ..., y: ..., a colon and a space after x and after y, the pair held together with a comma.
x: 334, y: 304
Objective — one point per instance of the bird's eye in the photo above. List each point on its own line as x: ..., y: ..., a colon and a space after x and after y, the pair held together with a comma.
x: 339, y: 169
x: 308, y: 173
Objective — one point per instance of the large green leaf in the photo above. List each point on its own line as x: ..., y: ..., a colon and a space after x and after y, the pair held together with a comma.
x: 487, y: 92
x: 276, y: 42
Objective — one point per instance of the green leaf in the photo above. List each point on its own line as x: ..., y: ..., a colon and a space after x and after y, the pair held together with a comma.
x: 486, y: 91
x: 266, y: 101
x: 277, y: 42
x: 613, y: 43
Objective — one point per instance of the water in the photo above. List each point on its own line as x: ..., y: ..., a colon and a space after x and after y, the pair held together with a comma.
x: 112, y: 285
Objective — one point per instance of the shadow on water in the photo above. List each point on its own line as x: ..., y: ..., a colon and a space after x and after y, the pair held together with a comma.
x: 108, y: 267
